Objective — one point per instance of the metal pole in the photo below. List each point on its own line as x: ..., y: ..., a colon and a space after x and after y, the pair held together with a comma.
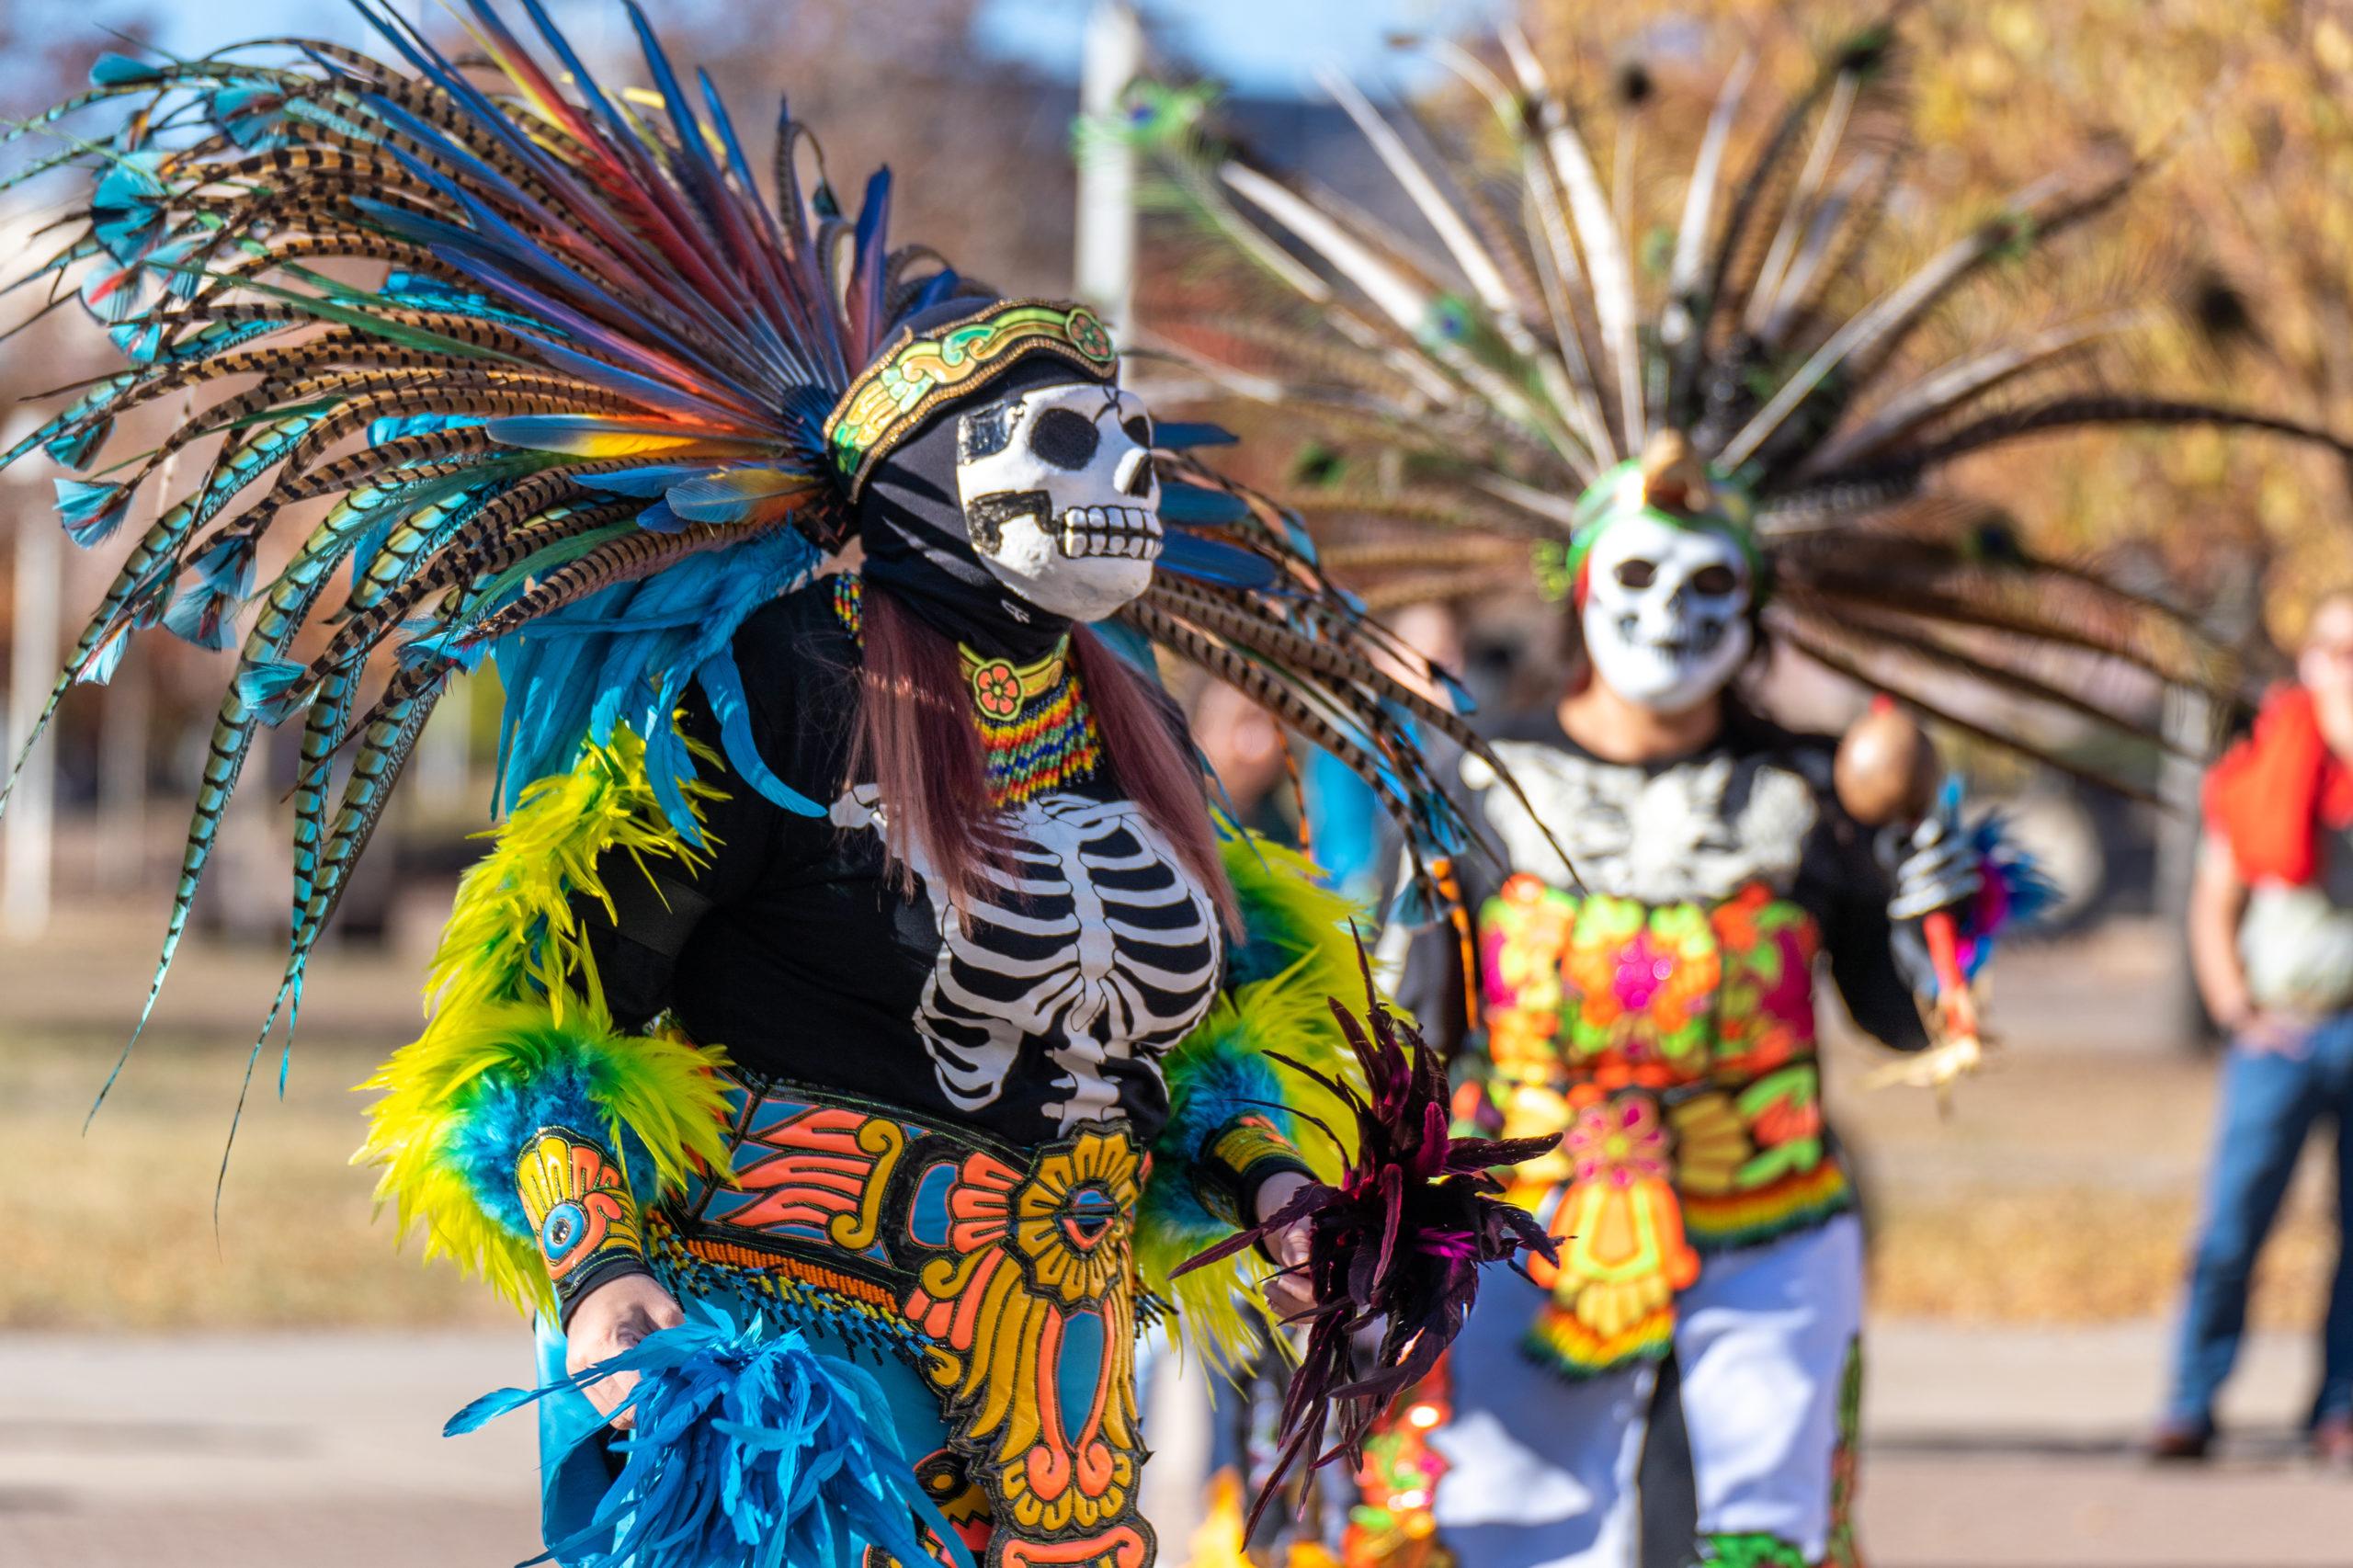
x: 1106, y: 263
x: 124, y: 723
x: 445, y: 754
x: 2188, y: 722
x: 27, y: 833
x: 2234, y: 617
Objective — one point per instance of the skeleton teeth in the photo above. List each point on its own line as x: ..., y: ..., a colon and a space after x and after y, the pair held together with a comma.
x: 1127, y: 533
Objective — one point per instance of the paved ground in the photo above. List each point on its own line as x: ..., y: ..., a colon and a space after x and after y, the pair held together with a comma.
x: 1985, y: 1448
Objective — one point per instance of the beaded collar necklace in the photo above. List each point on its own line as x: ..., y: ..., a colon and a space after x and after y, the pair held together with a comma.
x: 1037, y: 731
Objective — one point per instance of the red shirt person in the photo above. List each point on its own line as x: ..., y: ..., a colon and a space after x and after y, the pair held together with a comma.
x: 2272, y: 943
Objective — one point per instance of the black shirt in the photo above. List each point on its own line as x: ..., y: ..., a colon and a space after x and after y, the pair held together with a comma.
x: 793, y: 951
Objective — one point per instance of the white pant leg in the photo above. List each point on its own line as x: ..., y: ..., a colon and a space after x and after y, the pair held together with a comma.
x: 1540, y: 1469
x: 1763, y: 1340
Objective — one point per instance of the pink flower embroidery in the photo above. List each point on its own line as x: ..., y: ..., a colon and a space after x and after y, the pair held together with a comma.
x: 1620, y: 1141
x: 1642, y: 969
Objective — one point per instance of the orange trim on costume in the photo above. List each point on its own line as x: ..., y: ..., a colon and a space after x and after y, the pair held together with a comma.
x: 1769, y: 1208
x: 1558, y: 1335
x: 729, y: 1255
x: 1121, y: 1546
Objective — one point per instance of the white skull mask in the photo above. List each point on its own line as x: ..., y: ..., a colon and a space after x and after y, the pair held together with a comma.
x: 1059, y: 497
x: 1666, y: 613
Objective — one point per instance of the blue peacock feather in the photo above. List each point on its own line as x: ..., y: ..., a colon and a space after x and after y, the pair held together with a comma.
x: 576, y: 430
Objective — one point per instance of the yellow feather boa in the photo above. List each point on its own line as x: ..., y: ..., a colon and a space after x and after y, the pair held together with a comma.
x: 519, y: 1038
x: 1296, y: 954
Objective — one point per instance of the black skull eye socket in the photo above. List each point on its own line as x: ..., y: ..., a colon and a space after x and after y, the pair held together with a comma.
x: 985, y: 432
x: 1637, y: 574
x: 1715, y: 581
x: 1064, y: 439
x: 1138, y: 428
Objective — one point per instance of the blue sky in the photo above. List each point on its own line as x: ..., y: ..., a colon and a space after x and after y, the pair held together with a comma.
x: 1261, y: 47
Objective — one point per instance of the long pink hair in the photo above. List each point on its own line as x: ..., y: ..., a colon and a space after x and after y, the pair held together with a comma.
x: 917, y: 741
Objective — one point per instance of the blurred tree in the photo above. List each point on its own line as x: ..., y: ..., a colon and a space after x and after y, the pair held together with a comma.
x: 2222, y: 274
x: 2241, y: 231
x: 2236, y: 250
x: 978, y: 147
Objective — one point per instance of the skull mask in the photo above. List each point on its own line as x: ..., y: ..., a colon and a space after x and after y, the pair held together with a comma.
x: 1059, y: 497
x: 1665, y: 614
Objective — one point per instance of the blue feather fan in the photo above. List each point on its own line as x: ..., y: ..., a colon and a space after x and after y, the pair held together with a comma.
x: 748, y: 1449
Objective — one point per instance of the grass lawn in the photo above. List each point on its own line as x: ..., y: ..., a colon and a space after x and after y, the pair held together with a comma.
x: 115, y: 1229
x: 2082, y: 1254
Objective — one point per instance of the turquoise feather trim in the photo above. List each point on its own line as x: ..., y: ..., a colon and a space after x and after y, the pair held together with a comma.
x: 461, y: 1104
x: 547, y: 1075
x: 749, y: 1448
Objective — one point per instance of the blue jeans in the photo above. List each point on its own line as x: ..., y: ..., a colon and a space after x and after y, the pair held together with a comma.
x: 2270, y: 1100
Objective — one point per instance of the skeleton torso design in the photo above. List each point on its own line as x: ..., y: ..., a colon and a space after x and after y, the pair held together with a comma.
x: 1083, y: 963
x: 1700, y: 830
x: 1103, y: 950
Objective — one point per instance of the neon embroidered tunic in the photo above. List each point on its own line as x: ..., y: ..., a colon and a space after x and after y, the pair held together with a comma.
x: 1661, y: 1015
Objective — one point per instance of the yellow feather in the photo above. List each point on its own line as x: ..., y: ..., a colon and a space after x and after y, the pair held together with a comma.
x: 514, y: 998
x: 1295, y: 917
x: 511, y: 932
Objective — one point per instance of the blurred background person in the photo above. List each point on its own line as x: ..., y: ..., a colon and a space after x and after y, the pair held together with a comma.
x: 1243, y: 747
x: 2271, y: 942
x: 1351, y: 834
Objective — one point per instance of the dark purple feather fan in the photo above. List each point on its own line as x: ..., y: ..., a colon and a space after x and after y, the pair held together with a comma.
x: 1397, y: 1243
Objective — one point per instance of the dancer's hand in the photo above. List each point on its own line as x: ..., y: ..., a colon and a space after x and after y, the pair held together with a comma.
x: 1287, y: 1294
x: 609, y: 1320
x: 1939, y: 1067
x: 1934, y: 865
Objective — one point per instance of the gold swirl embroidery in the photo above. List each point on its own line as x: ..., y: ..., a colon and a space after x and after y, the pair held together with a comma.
x: 886, y: 1143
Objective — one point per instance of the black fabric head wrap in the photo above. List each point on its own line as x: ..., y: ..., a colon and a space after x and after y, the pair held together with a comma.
x: 912, y: 524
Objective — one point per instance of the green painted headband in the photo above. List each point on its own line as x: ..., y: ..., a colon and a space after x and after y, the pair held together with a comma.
x: 893, y: 397
x: 1666, y: 483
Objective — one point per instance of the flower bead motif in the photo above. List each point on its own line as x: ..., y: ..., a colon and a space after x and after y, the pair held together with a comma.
x: 1620, y: 1141
x: 1037, y: 731
x: 1642, y: 969
x: 996, y: 689
x: 1088, y: 334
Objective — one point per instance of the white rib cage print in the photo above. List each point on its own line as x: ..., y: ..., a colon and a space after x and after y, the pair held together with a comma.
x: 1099, y: 948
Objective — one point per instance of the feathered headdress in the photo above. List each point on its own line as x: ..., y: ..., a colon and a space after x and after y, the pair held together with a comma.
x: 1544, y: 371
x: 608, y: 397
